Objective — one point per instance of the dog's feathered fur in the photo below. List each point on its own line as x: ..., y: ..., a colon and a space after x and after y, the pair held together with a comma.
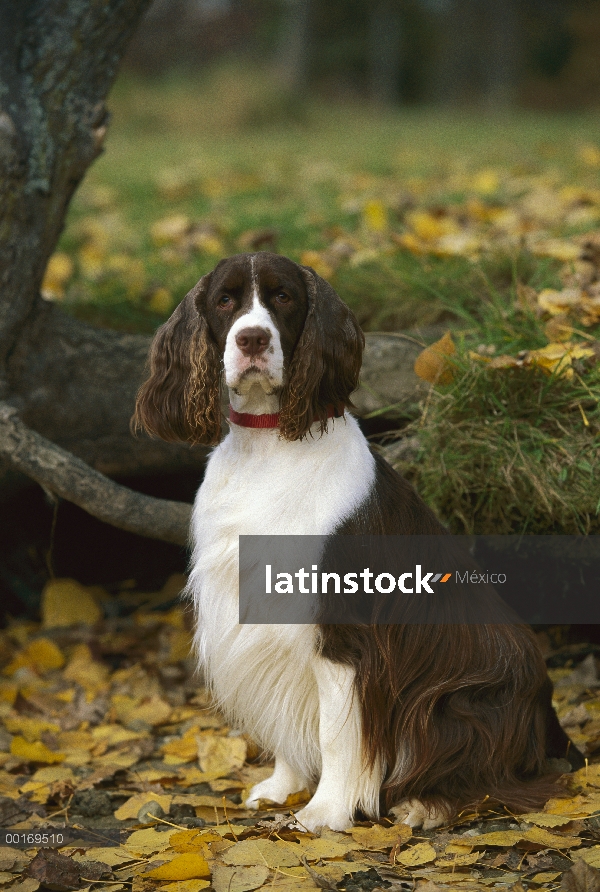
x: 429, y: 719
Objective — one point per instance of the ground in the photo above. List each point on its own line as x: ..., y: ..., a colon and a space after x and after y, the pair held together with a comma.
x: 110, y: 747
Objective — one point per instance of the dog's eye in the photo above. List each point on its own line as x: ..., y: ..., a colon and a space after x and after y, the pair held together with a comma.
x: 225, y: 301
x: 282, y: 298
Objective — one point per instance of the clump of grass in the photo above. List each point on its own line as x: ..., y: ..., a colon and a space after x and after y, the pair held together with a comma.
x: 511, y: 451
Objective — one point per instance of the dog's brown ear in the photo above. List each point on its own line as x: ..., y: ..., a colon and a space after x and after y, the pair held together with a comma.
x: 180, y: 400
x: 326, y: 363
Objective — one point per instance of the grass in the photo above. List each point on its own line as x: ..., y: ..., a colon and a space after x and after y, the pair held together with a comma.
x: 229, y: 156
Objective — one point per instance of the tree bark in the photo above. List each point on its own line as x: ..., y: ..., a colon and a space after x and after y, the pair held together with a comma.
x: 57, y: 63
x: 72, y: 383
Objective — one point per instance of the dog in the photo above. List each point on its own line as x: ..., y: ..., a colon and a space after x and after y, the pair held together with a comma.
x: 424, y: 720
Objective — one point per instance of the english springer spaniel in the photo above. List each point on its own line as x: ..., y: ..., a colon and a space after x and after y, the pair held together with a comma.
x: 426, y: 719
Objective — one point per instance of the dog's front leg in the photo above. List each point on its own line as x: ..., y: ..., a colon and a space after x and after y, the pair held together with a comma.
x: 279, y: 786
x: 345, y: 781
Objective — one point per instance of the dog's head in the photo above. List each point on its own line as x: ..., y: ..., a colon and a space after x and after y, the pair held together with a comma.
x: 266, y: 322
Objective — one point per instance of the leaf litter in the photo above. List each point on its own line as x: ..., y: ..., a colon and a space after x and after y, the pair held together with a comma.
x: 107, y: 736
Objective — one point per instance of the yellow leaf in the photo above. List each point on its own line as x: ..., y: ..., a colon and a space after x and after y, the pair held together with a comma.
x: 315, y: 849
x: 379, y: 838
x: 429, y: 227
x: 375, y: 216
x: 590, y: 155
x: 458, y: 860
x: 486, y: 181
x: 557, y: 303
x: 170, y: 230
x: 222, y: 754
x: 458, y: 848
x: 578, y: 807
x: 34, y: 752
x: 185, y: 748
x: 188, y: 866
x: 52, y: 774
x: 317, y: 262
x: 151, y: 711
x: 497, y: 838
x: 263, y: 851
x: 543, y: 819
x: 591, y: 856
x: 149, y: 840
x: 111, y: 855
x: 432, y: 364
x: 192, y: 840
x: 67, y: 603
x: 131, y: 808
x: 83, y: 669
x: 409, y: 241
x: 42, y: 655
x: 186, y: 886
x: 558, y: 357
x: 58, y: 272
x: 551, y: 840
x: 543, y: 878
x: 31, y: 729
x: 422, y: 853
x: 115, y: 734
x: 8, y: 692
x: 559, y: 249
x: 295, y: 799
x: 239, y: 879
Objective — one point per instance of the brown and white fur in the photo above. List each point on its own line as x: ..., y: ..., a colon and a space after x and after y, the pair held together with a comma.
x: 425, y: 719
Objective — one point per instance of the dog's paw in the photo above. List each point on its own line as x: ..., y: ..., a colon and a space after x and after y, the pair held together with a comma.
x: 317, y: 815
x: 273, y: 790
x: 414, y: 813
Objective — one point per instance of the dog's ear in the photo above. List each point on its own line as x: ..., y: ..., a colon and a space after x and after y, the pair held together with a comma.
x: 326, y: 363
x: 180, y: 400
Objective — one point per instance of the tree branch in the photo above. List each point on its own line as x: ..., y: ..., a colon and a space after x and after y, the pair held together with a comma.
x: 70, y: 478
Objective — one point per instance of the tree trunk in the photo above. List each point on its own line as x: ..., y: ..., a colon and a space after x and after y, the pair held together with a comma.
x: 71, y: 383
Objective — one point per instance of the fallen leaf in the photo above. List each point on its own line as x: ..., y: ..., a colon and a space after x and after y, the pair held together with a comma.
x: 375, y: 216
x: 238, y: 879
x: 543, y: 819
x: 582, y: 877
x: 67, y: 603
x: 378, y: 838
x: 262, y: 851
x: 131, y: 808
x: 42, y: 655
x: 58, y: 272
x: 185, y: 886
x: 170, y: 230
x: 422, y: 853
x: 53, y: 870
x: 187, y: 866
x: 34, y: 752
x: 432, y: 365
x: 149, y: 841
x: 221, y: 754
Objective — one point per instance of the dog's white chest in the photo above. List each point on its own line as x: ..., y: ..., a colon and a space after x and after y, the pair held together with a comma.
x: 257, y: 484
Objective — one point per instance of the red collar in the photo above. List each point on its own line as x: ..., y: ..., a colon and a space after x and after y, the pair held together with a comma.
x: 244, y: 419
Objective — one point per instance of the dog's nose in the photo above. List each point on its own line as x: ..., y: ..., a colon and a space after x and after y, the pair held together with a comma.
x: 253, y: 341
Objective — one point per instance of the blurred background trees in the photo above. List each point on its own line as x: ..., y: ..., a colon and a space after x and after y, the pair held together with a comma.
x: 535, y: 53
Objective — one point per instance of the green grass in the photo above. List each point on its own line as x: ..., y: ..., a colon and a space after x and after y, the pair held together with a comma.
x: 499, y: 450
